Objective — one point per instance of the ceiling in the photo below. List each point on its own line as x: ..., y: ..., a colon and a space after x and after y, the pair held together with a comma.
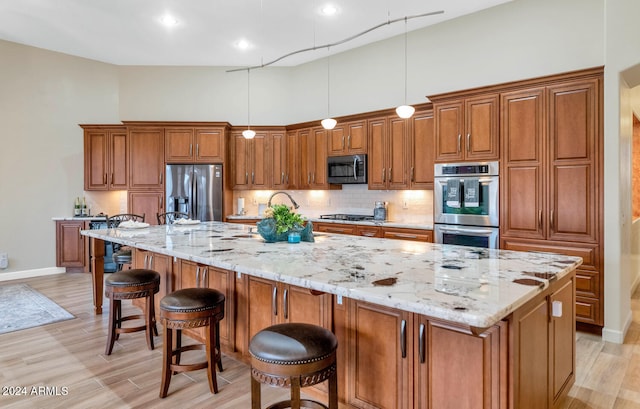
x: 129, y: 32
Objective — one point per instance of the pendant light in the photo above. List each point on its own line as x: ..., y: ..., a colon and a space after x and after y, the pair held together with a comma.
x: 405, y: 111
x: 328, y: 123
x: 248, y: 133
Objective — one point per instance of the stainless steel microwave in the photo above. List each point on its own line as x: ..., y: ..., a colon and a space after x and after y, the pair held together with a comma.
x: 347, y: 169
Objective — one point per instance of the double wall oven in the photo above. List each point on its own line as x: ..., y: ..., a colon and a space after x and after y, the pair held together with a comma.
x: 466, y: 197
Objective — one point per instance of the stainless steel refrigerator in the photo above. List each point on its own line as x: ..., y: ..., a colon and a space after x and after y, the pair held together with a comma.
x: 195, y: 190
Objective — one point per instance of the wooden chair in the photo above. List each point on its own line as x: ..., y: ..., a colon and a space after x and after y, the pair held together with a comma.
x: 122, y: 255
x: 170, y: 217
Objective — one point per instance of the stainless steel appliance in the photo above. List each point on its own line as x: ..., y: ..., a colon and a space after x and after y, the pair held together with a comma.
x: 466, y: 204
x: 347, y: 169
x: 109, y: 264
x: 380, y: 211
x: 195, y: 190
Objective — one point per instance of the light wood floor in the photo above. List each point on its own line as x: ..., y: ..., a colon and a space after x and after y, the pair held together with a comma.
x: 68, y: 358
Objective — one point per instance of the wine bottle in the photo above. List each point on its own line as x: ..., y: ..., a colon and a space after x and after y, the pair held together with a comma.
x: 76, y: 210
x: 84, y: 206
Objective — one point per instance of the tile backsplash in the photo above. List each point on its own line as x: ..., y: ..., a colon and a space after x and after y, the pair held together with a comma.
x: 404, y: 206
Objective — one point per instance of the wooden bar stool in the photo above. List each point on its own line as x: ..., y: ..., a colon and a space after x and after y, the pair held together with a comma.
x: 128, y: 285
x: 185, y: 309
x: 294, y: 355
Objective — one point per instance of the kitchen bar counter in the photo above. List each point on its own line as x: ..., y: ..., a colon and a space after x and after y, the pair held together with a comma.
x: 470, y: 286
x: 385, y: 223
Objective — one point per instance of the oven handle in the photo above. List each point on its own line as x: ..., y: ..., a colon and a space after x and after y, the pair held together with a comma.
x: 462, y: 230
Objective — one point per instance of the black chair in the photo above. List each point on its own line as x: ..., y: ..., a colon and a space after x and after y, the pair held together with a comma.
x: 170, y: 217
x: 122, y: 255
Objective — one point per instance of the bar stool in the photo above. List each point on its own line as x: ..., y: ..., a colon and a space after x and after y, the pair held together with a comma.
x: 128, y: 285
x: 186, y: 309
x: 294, y: 355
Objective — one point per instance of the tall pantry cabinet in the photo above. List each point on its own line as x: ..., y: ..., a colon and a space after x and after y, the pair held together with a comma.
x: 551, y: 179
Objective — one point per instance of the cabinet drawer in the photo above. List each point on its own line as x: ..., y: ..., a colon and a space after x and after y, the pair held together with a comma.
x: 588, y: 310
x: 337, y: 228
x: 588, y: 283
x: 589, y: 253
x: 370, y: 231
x: 408, y: 234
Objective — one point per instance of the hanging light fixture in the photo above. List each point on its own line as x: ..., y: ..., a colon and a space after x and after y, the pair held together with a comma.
x: 328, y: 123
x: 405, y: 111
x: 248, y: 133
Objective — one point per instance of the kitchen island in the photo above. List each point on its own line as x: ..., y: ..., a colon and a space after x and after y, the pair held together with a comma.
x: 419, y: 324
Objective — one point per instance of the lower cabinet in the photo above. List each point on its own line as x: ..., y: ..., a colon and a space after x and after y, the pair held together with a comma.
x: 71, y: 247
x: 194, y: 275
x: 164, y: 266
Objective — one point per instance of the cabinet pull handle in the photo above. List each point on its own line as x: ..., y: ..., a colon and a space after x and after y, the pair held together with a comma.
x: 552, y: 219
x: 468, y: 144
x: 459, y: 137
x: 205, y: 277
x: 282, y: 178
x: 274, y: 304
x: 246, y: 178
x: 349, y: 142
x: 197, y: 150
x: 421, y: 346
x: 286, y: 304
x: 161, y: 177
x: 403, y: 338
x: 540, y: 219
x: 412, y: 174
x: 253, y: 178
x: 405, y: 235
x: 145, y: 261
x: 383, y: 175
x: 198, y: 277
x: 190, y: 149
x: 151, y: 262
x: 342, y: 141
x: 390, y: 177
x: 104, y: 179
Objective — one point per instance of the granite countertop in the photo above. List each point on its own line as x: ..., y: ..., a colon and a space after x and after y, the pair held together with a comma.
x: 81, y: 218
x: 467, y: 285
x: 385, y: 223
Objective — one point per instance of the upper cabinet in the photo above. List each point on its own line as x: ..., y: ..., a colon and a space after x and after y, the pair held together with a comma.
x: 312, y: 145
x: 421, y: 139
x: 388, y: 153
x: 195, y: 145
x: 105, y: 157
x: 280, y: 160
x: 146, y: 158
x: 348, y: 139
x: 251, y: 161
x: 466, y: 129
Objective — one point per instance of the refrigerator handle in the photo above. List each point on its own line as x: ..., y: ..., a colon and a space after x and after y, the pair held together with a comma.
x: 194, y: 202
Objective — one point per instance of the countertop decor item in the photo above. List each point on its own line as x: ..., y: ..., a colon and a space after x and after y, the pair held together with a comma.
x: 279, y: 220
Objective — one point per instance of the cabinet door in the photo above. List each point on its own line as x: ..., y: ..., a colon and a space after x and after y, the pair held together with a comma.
x: 263, y: 307
x: 523, y: 211
x: 260, y: 161
x: 293, y: 160
x: 164, y: 266
x: 304, y: 305
x: 179, y: 145
x: 356, y: 137
x: 118, y: 160
x: 563, y: 335
x: 318, y: 158
x: 422, y: 154
x: 449, y: 129
x: 70, y: 245
x: 241, y: 167
x: 380, y: 342
x: 573, y: 185
x: 336, y: 139
x: 377, y: 154
x: 279, y: 162
x: 481, y: 125
x: 223, y: 281
x: 96, y: 159
x: 146, y: 159
x: 209, y: 145
x: 148, y: 204
x: 193, y: 275
x: 307, y: 156
x: 398, y: 154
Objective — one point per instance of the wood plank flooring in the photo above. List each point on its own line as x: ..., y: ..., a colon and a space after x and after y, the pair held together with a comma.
x: 67, y: 358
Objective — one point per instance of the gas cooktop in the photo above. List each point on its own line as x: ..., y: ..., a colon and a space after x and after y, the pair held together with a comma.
x: 348, y: 217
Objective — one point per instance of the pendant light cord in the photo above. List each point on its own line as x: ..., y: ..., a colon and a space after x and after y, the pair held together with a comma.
x: 248, y: 98
x: 405, y: 61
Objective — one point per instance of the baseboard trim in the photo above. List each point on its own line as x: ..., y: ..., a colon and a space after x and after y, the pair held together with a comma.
x: 617, y: 337
x: 17, y: 275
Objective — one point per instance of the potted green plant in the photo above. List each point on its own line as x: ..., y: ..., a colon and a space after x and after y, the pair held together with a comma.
x: 279, y: 221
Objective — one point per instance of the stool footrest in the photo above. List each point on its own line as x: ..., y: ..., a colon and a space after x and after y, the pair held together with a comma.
x: 306, y: 403
x: 188, y: 367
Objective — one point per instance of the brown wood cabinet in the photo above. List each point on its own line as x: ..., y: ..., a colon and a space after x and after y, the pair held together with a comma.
x: 551, y: 179
x: 399, y: 233
x: 368, y: 231
x: 146, y: 158
x: 147, y: 203
x: 294, y: 158
x: 348, y: 138
x: 280, y: 168
x: 313, y: 158
x: 71, y: 247
x: 266, y: 302
x: 163, y: 265
x: 252, y: 161
x: 105, y: 157
x: 421, y: 153
x: 388, y: 153
x: 195, y: 145
x: 466, y: 129
x: 340, y: 228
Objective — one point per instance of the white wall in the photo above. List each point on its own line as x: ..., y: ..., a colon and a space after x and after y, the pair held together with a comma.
x: 43, y: 97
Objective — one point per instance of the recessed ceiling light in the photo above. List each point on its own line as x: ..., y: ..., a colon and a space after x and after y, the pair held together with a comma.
x: 168, y: 20
x: 243, y: 44
x: 329, y: 10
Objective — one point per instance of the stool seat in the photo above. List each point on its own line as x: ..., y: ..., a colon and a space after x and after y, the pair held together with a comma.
x: 186, y: 309
x: 294, y: 343
x: 294, y: 355
x: 128, y: 285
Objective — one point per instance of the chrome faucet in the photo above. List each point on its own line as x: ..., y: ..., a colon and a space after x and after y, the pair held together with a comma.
x: 295, y: 205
